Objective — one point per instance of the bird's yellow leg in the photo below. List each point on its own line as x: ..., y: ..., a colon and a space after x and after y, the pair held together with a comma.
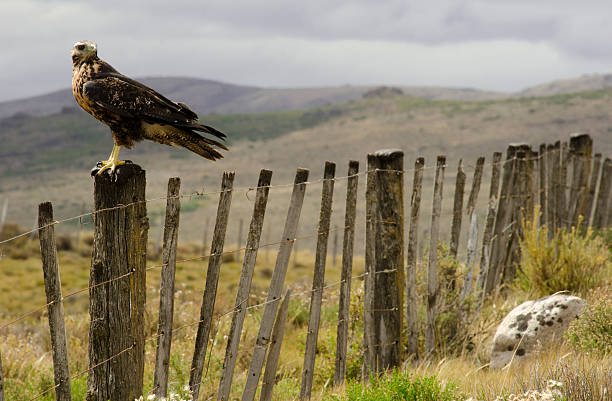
x: 113, y: 161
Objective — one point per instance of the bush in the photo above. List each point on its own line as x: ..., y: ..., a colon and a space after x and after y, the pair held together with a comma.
x: 400, y: 386
x: 592, y: 332
x: 571, y: 261
x: 453, y: 310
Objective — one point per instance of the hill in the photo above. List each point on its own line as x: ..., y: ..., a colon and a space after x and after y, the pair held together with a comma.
x: 584, y: 83
x: 49, y: 157
x: 207, y: 97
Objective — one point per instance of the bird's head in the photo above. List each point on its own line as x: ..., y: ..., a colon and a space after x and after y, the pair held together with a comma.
x: 83, y: 51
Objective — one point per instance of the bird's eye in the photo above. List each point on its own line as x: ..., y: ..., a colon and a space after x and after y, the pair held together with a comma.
x: 80, y: 47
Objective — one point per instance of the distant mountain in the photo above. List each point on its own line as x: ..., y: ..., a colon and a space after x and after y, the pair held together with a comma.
x: 584, y: 83
x: 213, y: 97
x: 207, y: 97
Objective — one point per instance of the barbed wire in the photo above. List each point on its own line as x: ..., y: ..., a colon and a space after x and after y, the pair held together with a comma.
x: 233, y: 310
x: 212, y: 341
x: 83, y: 372
x: 248, y: 189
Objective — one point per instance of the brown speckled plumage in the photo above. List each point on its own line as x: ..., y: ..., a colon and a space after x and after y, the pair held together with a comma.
x: 134, y: 111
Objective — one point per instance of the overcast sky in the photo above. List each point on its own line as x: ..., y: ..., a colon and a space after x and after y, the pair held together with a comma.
x: 503, y: 45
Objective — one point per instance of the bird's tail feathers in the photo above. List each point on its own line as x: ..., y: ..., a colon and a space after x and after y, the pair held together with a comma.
x: 209, y: 130
x: 186, y: 138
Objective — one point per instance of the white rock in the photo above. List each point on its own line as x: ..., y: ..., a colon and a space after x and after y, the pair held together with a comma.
x: 531, y: 325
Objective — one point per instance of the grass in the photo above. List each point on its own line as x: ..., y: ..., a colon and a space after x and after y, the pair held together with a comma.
x: 271, y: 125
x: 453, y: 374
x: 399, y: 386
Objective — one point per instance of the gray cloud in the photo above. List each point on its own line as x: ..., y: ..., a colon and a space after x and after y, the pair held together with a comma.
x: 280, y: 43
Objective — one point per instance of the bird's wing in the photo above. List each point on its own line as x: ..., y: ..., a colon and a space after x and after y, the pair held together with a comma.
x: 129, y: 98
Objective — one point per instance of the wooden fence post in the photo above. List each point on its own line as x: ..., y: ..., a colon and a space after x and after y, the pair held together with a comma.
x: 521, y: 206
x: 166, y: 292
x: 53, y: 289
x: 552, y: 170
x: 433, y: 287
x: 244, y: 285
x: 600, y: 218
x: 347, y: 268
x: 318, y: 280
x: 276, y: 285
x: 542, y: 185
x: 581, y: 150
x: 212, y: 279
x: 457, y: 214
x: 369, y: 355
x: 562, y: 213
x: 592, y: 187
x: 471, y: 257
x: 412, y: 298
x: 502, y: 220
x: 389, y: 282
x: 476, y: 181
x: 118, y: 286
x: 489, y: 224
x: 276, y: 341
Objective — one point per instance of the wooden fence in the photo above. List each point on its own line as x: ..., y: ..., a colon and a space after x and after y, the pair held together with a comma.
x: 570, y: 185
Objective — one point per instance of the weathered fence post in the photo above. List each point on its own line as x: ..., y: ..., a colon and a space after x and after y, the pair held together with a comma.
x: 562, y: 213
x: 53, y: 289
x: 117, y: 286
x: 389, y: 283
x: 457, y: 215
x: 588, y: 214
x: 471, y: 257
x: 490, y: 221
x: 212, y: 279
x: 276, y: 285
x: 581, y: 150
x: 276, y: 341
x: 244, y: 284
x: 600, y: 219
x: 552, y: 170
x: 347, y: 268
x: 433, y: 287
x: 503, y: 222
x: 318, y: 280
x: 412, y: 298
x: 476, y: 181
x: 369, y: 356
x: 521, y: 206
x: 166, y: 292
x: 542, y: 168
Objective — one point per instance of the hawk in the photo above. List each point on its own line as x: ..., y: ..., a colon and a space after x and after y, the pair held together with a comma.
x: 134, y: 111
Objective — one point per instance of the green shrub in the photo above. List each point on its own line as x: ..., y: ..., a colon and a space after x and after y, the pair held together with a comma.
x: 571, y: 261
x: 592, y: 332
x: 400, y: 386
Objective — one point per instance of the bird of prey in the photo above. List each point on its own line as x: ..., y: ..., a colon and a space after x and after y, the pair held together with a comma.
x: 134, y: 111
